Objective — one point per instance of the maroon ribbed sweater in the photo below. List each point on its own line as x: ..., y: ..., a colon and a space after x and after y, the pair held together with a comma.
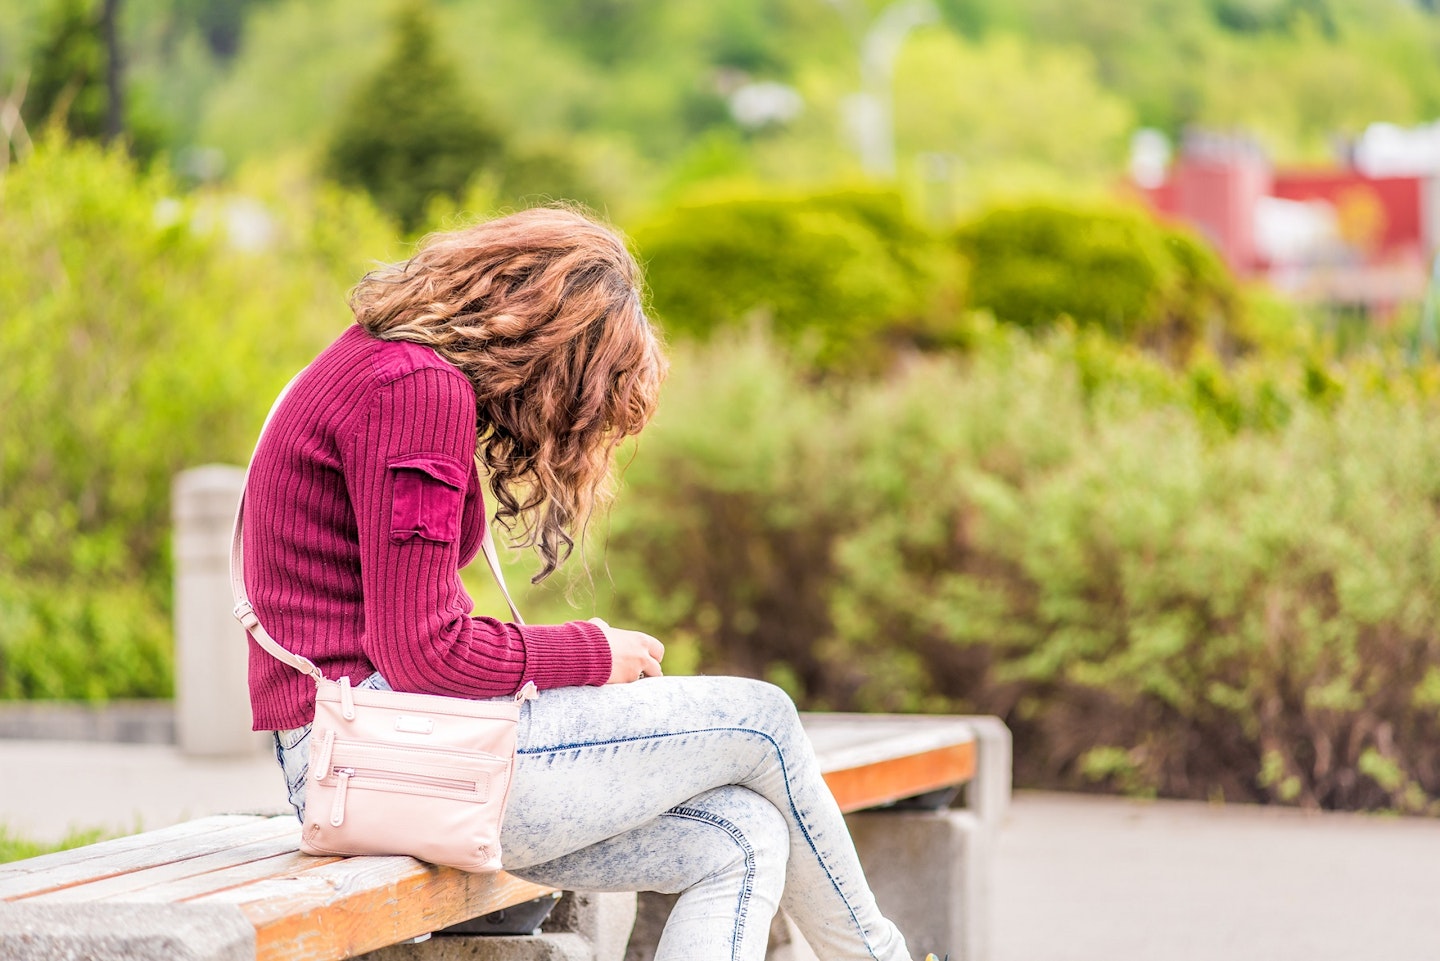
x: 362, y: 506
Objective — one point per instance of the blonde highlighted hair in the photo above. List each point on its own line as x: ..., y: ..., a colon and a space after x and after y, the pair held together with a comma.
x: 542, y: 311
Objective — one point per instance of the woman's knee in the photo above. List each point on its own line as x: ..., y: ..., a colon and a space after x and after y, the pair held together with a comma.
x: 759, y: 837
x: 764, y: 705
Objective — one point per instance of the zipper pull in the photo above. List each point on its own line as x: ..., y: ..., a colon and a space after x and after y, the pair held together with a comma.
x: 337, y: 811
x: 320, y: 769
x: 347, y: 699
x: 527, y: 693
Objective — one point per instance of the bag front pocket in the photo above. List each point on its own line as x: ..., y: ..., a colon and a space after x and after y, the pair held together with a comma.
x: 372, y: 766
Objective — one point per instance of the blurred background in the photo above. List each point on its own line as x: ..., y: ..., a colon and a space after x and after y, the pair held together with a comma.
x: 1066, y: 360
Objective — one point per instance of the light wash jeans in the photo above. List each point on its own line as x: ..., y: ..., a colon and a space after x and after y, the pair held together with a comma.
x: 702, y: 786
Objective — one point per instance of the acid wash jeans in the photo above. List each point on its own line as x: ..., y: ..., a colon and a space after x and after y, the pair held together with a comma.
x: 706, y: 787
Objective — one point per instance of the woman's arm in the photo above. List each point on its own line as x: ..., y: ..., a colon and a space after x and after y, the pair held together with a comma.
x: 406, y: 467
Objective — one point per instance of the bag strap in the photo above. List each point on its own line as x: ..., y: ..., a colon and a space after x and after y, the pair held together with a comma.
x: 245, y: 614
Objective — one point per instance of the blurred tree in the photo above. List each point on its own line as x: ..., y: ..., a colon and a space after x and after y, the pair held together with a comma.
x: 78, y: 77
x: 221, y: 22
x: 409, y: 134
x: 69, y: 70
x: 607, y: 31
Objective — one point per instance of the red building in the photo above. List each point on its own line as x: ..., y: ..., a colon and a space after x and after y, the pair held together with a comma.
x: 1337, y: 236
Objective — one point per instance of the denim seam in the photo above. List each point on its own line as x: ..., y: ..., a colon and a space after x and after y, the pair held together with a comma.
x: 784, y: 777
x: 742, y: 909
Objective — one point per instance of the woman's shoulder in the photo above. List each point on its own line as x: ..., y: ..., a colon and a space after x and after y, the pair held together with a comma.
x: 383, y: 360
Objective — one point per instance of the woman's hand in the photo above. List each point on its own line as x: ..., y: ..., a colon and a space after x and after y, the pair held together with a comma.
x: 633, y: 655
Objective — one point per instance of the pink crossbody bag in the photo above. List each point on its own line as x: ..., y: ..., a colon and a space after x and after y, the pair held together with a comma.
x: 395, y: 773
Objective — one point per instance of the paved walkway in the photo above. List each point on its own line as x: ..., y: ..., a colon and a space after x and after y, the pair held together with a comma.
x: 1100, y: 879
x: 1077, y: 878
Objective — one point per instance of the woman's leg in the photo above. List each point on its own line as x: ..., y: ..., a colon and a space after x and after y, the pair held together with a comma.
x: 723, y: 852
x: 594, y: 763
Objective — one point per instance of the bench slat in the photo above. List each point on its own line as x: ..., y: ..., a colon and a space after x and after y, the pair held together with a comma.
x: 858, y: 788
x: 872, y: 759
x: 123, y: 845
x: 351, y: 906
x: 201, y: 885
x: 281, y: 839
x: 140, y: 851
x: 852, y: 740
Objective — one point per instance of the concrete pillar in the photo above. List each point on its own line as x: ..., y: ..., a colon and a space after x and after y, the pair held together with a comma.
x: 583, y: 927
x: 930, y: 871
x: 605, y: 919
x: 212, y: 700
x: 652, y: 910
x: 987, y: 795
x: 524, y: 947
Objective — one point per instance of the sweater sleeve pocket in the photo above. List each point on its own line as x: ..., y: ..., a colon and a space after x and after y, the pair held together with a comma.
x: 427, y: 497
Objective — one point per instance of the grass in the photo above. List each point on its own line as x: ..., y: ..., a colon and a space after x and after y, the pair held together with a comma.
x: 16, y: 848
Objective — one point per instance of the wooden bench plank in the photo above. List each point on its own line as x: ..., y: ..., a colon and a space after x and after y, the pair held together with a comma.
x: 869, y: 760
x: 200, y: 885
x: 141, y: 851
x: 851, y: 740
x: 359, y: 904
x: 285, y: 840
x: 123, y: 845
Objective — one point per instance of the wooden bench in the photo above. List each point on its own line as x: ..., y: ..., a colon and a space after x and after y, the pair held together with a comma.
x: 236, y: 887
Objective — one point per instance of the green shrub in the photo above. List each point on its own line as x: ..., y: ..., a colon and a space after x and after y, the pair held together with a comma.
x: 135, y: 341
x: 1154, y: 600
x: 829, y: 273
x: 1110, y: 267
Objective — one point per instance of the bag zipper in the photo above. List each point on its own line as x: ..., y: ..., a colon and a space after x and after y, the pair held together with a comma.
x: 344, y: 775
x: 352, y: 750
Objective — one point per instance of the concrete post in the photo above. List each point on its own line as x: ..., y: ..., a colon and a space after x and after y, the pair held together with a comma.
x: 930, y: 871
x: 212, y: 701
x: 604, y: 918
x: 987, y: 796
x: 583, y: 927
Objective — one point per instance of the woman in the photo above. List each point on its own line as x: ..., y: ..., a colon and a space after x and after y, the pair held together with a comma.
x: 521, y: 343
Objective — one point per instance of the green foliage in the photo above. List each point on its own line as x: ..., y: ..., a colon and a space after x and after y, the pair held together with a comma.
x: 1111, y: 267
x: 1156, y: 598
x: 993, y: 103
x: 408, y: 133
x: 830, y: 273
x: 1022, y: 93
x: 73, y: 639
x: 136, y: 341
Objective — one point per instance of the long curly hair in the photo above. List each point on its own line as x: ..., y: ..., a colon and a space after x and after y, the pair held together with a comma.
x: 542, y: 312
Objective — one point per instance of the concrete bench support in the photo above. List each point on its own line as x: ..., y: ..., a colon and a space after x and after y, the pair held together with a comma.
x: 987, y: 795
x: 583, y: 927
x: 930, y: 873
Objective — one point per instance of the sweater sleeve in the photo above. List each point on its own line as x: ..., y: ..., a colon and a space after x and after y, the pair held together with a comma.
x: 406, y: 466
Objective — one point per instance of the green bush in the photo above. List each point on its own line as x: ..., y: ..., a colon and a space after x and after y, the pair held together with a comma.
x: 1109, y: 267
x: 831, y: 274
x: 136, y: 340
x: 1154, y: 600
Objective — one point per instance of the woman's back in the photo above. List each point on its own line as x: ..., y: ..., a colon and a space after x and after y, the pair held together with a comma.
x: 364, y: 502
